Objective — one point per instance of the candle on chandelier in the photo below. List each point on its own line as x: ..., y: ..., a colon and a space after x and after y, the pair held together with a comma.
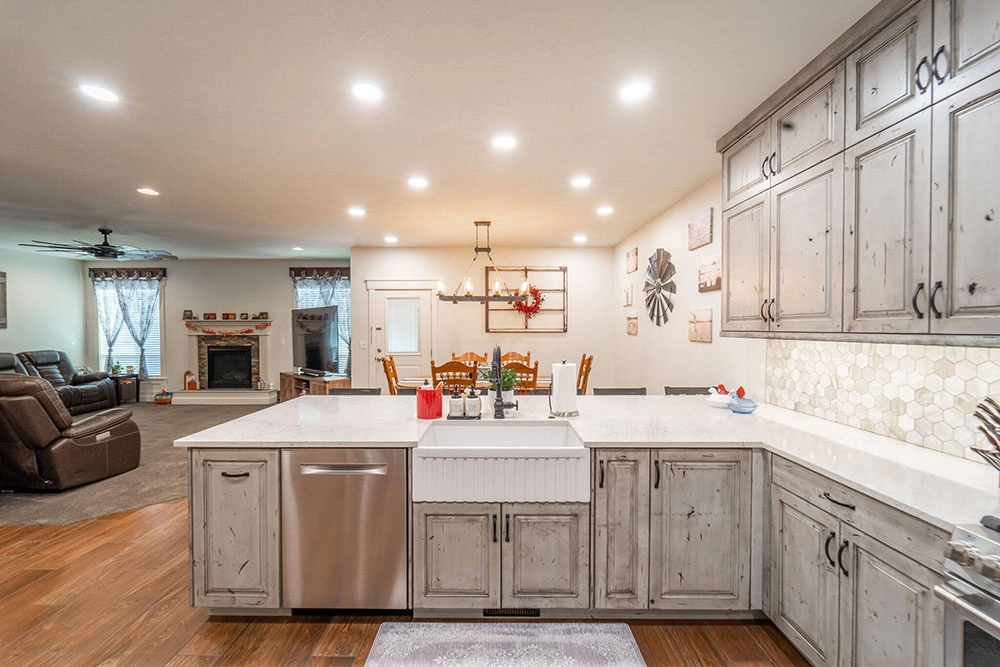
x: 468, y: 287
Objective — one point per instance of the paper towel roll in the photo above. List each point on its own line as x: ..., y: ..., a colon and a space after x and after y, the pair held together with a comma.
x: 562, y: 393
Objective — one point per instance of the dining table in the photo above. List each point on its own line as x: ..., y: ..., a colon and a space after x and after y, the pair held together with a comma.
x: 413, y: 382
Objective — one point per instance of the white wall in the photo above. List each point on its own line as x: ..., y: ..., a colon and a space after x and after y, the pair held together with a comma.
x: 217, y: 286
x: 663, y: 355
x: 461, y: 327
x: 44, y: 304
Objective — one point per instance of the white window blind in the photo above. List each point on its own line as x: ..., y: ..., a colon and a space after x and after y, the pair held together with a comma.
x: 127, y: 351
x: 313, y: 293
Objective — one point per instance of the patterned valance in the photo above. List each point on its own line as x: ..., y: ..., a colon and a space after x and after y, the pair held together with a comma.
x: 319, y: 272
x: 127, y: 274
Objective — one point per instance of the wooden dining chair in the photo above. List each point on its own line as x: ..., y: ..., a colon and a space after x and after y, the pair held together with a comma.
x: 619, y: 391
x: 469, y: 358
x: 354, y: 391
x: 453, y: 374
x: 391, y: 376
x: 525, y: 377
x: 516, y: 356
x: 583, y: 373
x: 684, y: 391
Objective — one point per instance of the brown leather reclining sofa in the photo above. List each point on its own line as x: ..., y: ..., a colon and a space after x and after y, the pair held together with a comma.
x: 79, y: 393
x: 41, y: 447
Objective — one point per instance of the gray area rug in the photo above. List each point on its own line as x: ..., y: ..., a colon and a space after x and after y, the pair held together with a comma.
x: 504, y: 645
x: 161, y: 475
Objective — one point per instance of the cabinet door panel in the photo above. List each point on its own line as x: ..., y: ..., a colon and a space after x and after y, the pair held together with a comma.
x: 966, y: 210
x: 699, y: 551
x: 807, y: 217
x: 546, y: 555
x: 882, y: 74
x: 621, y: 527
x: 235, y: 527
x: 804, y: 585
x: 746, y: 267
x: 456, y: 562
x: 743, y: 172
x: 887, y: 238
x: 966, y: 42
x: 889, y: 614
x: 810, y: 127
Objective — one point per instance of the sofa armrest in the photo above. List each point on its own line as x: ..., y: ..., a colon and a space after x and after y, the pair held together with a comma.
x: 102, y: 421
x: 87, y: 378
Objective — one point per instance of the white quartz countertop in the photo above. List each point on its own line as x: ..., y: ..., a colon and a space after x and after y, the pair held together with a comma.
x: 938, y: 488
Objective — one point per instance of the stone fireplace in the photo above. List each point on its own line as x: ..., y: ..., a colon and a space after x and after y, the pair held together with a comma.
x: 227, y: 352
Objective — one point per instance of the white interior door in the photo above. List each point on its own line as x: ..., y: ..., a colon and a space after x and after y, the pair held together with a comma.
x: 402, y: 325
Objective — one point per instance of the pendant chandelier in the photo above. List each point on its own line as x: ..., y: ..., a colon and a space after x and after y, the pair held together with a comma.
x: 500, y: 293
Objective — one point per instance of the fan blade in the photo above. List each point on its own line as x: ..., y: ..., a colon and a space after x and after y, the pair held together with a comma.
x: 668, y: 271
x: 138, y: 253
x: 61, y: 246
x: 671, y: 287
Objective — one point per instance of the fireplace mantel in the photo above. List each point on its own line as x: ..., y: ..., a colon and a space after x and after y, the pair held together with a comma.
x: 239, y: 332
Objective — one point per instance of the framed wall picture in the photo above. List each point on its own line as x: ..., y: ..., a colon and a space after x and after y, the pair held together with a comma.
x: 3, y: 299
x: 632, y: 260
x: 628, y: 296
x: 700, y: 230
x: 188, y: 315
x: 710, y: 275
x: 632, y: 324
x: 700, y: 325
x: 244, y: 316
x: 208, y: 316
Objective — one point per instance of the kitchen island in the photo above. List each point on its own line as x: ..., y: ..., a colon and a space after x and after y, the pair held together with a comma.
x: 690, y: 510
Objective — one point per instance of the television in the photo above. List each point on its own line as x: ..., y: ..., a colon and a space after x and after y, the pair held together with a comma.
x: 315, y: 340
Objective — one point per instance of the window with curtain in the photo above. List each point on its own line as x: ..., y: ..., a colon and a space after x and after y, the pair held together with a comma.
x: 315, y: 287
x: 128, y: 318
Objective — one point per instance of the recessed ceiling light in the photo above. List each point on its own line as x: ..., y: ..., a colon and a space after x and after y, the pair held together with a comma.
x: 148, y: 191
x: 99, y: 93
x: 390, y: 239
x: 356, y: 212
x: 367, y: 92
x: 634, y: 91
x: 580, y: 238
x: 605, y: 210
x: 504, y: 142
x: 297, y: 249
x: 580, y: 182
x: 417, y: 183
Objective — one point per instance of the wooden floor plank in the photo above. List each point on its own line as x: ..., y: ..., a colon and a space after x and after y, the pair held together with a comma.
x: 774, y: 644
x: 736, y: 645
x: 654, y: 646
x: 214, y: 636
x: 275, y: 642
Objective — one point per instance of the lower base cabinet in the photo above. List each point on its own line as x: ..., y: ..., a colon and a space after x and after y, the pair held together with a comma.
x: 844, y: 598
x: 511, y: 555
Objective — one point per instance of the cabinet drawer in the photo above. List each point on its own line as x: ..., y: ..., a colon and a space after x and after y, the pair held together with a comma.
x: 910, y: 536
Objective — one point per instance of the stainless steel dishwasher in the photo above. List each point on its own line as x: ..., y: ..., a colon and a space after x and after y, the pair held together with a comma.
x: 343, y: 528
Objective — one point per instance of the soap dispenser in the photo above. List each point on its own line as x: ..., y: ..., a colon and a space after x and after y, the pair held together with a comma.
x: 473, y: 404
x: 456, y: 405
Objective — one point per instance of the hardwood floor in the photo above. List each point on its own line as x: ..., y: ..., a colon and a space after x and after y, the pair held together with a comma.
x: 114, y: 591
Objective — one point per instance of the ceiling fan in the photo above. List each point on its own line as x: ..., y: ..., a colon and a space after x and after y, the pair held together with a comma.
x: 102, y: 250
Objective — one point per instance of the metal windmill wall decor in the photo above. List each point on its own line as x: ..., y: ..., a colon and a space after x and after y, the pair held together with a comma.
x: 660, y: 287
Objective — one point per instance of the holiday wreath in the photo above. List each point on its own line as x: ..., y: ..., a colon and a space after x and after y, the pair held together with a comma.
x: 532, y: 304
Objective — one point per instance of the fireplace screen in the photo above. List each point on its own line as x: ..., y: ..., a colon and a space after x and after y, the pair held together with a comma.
x: 230, y: 367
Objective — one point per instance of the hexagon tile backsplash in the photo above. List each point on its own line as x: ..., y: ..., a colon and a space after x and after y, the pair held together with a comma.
x: 921, y: 394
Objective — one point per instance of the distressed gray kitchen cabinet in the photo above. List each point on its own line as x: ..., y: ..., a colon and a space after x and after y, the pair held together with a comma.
x: 746, y: 166
x: 235, y: 528
x: 621, y: 529
x: 746, y: 265
x: 889, y: 614
x: 807, y: 246
x: 699, y: 545
x: 966, y: 44
x: 965, y: 214
x: 809, y: 128
x: 545, y: 555
x: 890, y: 77
x: 805, y: 595
x: 456, y: 555
x: 887, y: 197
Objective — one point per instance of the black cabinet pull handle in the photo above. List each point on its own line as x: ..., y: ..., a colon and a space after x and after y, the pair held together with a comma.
x: 506, y: 522
x: 913, y: 300
x: 494, y: 528
x: 939, y: 76
x: 600, y: 484
x: 840, y: 557
x: 826, y: 548
x: 770, y: 311
x: 838, y: 502
x: 762, y: 305
x: 656, y: 467
x: 932, y: 300
x: 763, y: 168
x: 770, y: 163
x: 916, y: 75
x: 234, y: 475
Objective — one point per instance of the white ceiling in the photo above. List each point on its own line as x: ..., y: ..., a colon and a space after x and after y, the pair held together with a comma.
x: 239, y: 112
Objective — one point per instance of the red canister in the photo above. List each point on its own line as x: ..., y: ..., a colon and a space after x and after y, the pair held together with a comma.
x: 428, y: 401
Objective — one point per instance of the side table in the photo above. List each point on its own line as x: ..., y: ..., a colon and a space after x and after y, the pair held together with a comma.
x: 118, y: 379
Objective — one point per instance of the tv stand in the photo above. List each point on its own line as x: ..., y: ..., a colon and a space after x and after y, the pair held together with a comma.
x: 293, y: 385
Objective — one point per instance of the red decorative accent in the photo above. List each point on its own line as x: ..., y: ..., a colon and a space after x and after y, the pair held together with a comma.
x: 532, y: 305
x: 227, y: 332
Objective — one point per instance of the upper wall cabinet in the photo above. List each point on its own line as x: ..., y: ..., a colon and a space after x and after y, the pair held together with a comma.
x: 746, y: 252
x: 746, y: 166
x: 966, y: 44
x: 965, y: 291
x: 889, y: 78
x: 809, y: 128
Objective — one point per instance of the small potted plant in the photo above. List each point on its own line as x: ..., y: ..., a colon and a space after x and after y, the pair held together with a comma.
x: 116, y: 368
x: 508, y: 378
